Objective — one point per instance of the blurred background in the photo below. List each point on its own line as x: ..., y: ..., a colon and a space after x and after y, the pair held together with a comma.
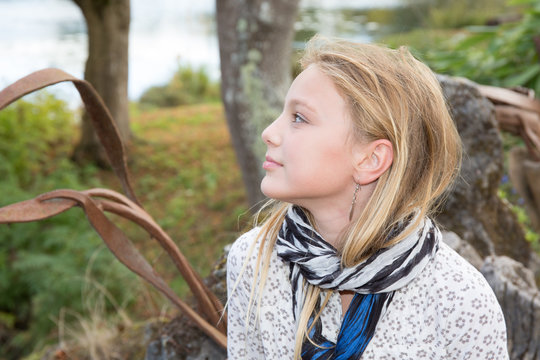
x: 62, y: 292
x: 52, y: 33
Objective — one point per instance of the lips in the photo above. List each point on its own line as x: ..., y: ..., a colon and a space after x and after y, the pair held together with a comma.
x: 271, y: 163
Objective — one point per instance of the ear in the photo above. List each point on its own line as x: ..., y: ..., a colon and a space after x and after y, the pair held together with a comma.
x: 371, y: 160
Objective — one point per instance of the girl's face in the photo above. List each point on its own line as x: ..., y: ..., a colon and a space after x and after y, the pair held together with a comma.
x: 309, y: 156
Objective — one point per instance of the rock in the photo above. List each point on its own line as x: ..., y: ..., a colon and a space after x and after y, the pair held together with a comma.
x: 208, y: 351
x: 515, y: 288
x: 463, y: 248
x: 180, y: 339
x: 158, y: 350
x: 473, y: 210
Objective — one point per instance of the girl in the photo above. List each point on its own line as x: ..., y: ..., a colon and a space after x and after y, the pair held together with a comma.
x: 347, y: 263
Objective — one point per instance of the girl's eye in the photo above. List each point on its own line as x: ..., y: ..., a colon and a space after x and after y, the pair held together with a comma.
x: 297, y: 118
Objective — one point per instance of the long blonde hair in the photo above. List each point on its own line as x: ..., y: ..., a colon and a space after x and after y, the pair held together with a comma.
x: 393, y: 96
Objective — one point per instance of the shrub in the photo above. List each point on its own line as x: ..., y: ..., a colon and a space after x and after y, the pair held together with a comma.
x: 43, y: 264
x: 188, y: 86
x: 503, y: 55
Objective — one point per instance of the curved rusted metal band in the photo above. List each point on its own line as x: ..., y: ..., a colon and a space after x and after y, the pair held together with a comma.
x: 55, y: 202
x: 99, y: 114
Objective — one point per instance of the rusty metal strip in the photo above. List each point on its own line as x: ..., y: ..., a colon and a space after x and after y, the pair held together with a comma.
x: 58, y: 201
x: 55, y: 202
x: 209, y: 304
x: 99, y: 115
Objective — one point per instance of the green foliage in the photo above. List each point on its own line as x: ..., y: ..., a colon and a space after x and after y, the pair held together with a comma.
x: 420, y: 41
x: 43, y: 264
x: 502, y: 56
x: 188, y: 86
x: 456, y: 14
x: 443, y: 14
x: 30, y: 133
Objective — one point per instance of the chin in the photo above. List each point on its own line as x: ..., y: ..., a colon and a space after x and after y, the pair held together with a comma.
x: 268, y: 192
x: 271, y: 192
x: 278, y: 191
x: 266, y: 188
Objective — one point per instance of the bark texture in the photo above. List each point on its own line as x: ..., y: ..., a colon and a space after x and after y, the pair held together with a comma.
x: 255, y: 38
x: 106, y: 69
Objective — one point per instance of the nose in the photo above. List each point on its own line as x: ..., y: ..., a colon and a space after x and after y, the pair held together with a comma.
x: 270, y: 135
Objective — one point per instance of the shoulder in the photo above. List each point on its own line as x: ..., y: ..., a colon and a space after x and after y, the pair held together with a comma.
x: 245, y: 260
x: 455, y: 282
x: 243, y: 247
x: 469, y: 314
x: 244, y: 240
x: 268, y: 330
x: 447, y: 311
x: 450, y: 288
x: 460, y: 295
x: 459, y: 289
x: 450, y: 271
x: 246, y: 263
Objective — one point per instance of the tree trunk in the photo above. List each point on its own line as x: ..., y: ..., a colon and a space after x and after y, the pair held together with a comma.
x: 255, y: 43
x: 106, y: 69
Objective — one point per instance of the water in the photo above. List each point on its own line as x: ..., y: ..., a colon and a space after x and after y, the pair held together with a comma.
x: 35, y: 34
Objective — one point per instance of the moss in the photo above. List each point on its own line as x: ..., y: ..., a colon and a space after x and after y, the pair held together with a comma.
x: 241, y: 25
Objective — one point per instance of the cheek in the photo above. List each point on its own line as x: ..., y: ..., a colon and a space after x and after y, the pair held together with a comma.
x: 335, y: 157
x: 330, y: 164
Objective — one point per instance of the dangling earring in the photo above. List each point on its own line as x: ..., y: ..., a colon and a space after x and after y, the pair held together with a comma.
x: 354, y: 201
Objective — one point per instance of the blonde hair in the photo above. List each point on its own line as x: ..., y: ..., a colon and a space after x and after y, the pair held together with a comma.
x: 393, y: 96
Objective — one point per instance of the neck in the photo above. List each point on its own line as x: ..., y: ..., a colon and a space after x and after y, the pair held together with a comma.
x: 330, y: 220
x: 330, y: 224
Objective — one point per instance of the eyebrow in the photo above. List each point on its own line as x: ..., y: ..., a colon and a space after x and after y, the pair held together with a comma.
x: 297, y: 101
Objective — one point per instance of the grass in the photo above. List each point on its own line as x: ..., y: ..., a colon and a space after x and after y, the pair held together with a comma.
x: 185, y: 173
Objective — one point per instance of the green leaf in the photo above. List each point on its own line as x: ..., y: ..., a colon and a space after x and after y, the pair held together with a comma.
x: 521, y: 2
x: 524, y: 77
x: 482, y: 29
x: 474, y: 40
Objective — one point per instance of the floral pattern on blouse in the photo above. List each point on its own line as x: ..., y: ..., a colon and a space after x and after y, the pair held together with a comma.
x: 447, y: 312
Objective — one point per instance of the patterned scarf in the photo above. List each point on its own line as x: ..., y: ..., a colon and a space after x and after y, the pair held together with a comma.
x: 374, y: 280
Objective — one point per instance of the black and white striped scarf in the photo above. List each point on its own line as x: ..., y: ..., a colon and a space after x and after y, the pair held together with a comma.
x: 317, y: 262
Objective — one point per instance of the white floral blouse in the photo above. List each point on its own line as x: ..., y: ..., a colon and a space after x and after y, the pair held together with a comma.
x: 447, y: 312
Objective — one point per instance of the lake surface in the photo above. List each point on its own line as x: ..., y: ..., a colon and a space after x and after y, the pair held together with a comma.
x: 36, y: 34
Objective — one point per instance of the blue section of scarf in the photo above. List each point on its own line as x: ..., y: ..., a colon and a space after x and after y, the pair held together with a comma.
x: 356, y: 330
